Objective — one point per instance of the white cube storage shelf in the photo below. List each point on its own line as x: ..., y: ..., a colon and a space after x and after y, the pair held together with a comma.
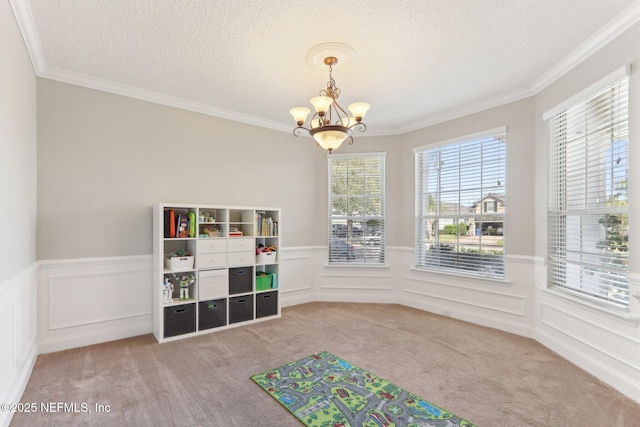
x: 215, y: 238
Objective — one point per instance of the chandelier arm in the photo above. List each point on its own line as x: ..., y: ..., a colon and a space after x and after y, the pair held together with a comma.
x: 298, y: 131
x: 318, y: 117
x: 360, y: 126
x: 339, y: 109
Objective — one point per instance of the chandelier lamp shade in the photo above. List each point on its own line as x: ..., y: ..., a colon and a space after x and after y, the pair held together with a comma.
x: 330, y: 125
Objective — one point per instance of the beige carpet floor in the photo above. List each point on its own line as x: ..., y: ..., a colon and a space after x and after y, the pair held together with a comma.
x: 489, y: 377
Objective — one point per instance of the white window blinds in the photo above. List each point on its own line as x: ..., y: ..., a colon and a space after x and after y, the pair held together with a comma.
x: 587, y: 220
x: 460, y: 204
x: 356, y: 208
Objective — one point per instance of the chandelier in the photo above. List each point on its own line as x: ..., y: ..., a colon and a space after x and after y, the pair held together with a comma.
x: 331, y: 125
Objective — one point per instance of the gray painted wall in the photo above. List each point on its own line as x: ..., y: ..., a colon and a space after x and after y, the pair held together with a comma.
x: 104, y: 160
x: 18, y: 145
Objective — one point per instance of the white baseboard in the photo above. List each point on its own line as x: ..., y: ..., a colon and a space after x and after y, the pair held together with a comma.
x: 19, y: 384
x: 96, y: 336
x: 616, y: 379
x: 519, y: 328
x: 289, y: 299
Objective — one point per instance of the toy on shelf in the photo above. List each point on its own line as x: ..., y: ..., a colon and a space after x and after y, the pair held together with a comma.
x: 262, y: 248
x: 167, y: 290
x: 185, y: 280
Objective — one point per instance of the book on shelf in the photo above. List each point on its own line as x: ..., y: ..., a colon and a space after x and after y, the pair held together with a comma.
x: 182, y: 226
x: 169, y: 223
x: 265, y: 225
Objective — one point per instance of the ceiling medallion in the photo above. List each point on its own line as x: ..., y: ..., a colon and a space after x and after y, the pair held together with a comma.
x: 345, y: 55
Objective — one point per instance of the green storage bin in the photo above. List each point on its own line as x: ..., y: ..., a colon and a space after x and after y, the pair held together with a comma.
x: 264, y: 282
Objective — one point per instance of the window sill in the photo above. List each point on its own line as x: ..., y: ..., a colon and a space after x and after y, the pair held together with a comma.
x: 461, y: 276
x: 601, y: 309
x: 357, y: 265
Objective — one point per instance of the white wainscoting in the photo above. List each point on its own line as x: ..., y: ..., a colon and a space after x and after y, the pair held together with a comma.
x: 502, y: 304
x: 18, y: 329
x: 87, y: 301
x: 93, y: 300
x: 298, y: 274
x: 602, y: 342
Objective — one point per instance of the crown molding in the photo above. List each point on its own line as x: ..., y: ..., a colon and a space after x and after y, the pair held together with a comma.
x: 617, y: 26
x: 469, y: 109
x: 158, y: 98
x: 27, y: 26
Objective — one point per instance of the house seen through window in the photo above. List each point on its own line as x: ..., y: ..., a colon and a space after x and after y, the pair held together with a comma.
x: 460, y: 204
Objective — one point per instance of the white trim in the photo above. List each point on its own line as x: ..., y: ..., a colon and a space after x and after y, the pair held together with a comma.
x: 401, y: 249
x: 603, y: 370
x: 467, y: 110
x: 459, y: 276
x: 585, y: 93
x: 95, y: 336
x: 355, y: 265
x: 158, y: 98
x: 302, y: 248
x: 634, y: 278
x: 620, y: 24
x: 472, y: 316
x: 472, y: 304
x: 17, y: 295
x: 525, y: 259
x: 357, y: 155
x: 75, y: 262
x: 24, y: 19
x: 593, y: 307
x: 464, y: 138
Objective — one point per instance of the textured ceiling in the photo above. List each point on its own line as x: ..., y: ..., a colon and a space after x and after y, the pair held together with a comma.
x: 418, y: 61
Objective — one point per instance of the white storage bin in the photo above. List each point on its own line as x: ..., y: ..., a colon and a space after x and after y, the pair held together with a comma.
x: 238, y: 244
x: 212, y: 246
x: 212, y: 260
x: 213, y: 284
x: 179, y: 263
x: 241, y: 259
x: 266, y: 258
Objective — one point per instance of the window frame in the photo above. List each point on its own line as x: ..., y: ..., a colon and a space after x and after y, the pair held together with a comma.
x: 368, y: 247
x: 586, y: 278
x: 489, y: 265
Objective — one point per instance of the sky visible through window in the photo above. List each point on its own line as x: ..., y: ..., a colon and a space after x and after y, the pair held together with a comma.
x: 465, y: 173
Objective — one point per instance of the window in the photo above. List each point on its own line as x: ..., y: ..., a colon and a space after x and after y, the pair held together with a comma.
x: 356, y: 208
x: 460, y: 204
x: 491, y: 206
x: 587, y: 218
